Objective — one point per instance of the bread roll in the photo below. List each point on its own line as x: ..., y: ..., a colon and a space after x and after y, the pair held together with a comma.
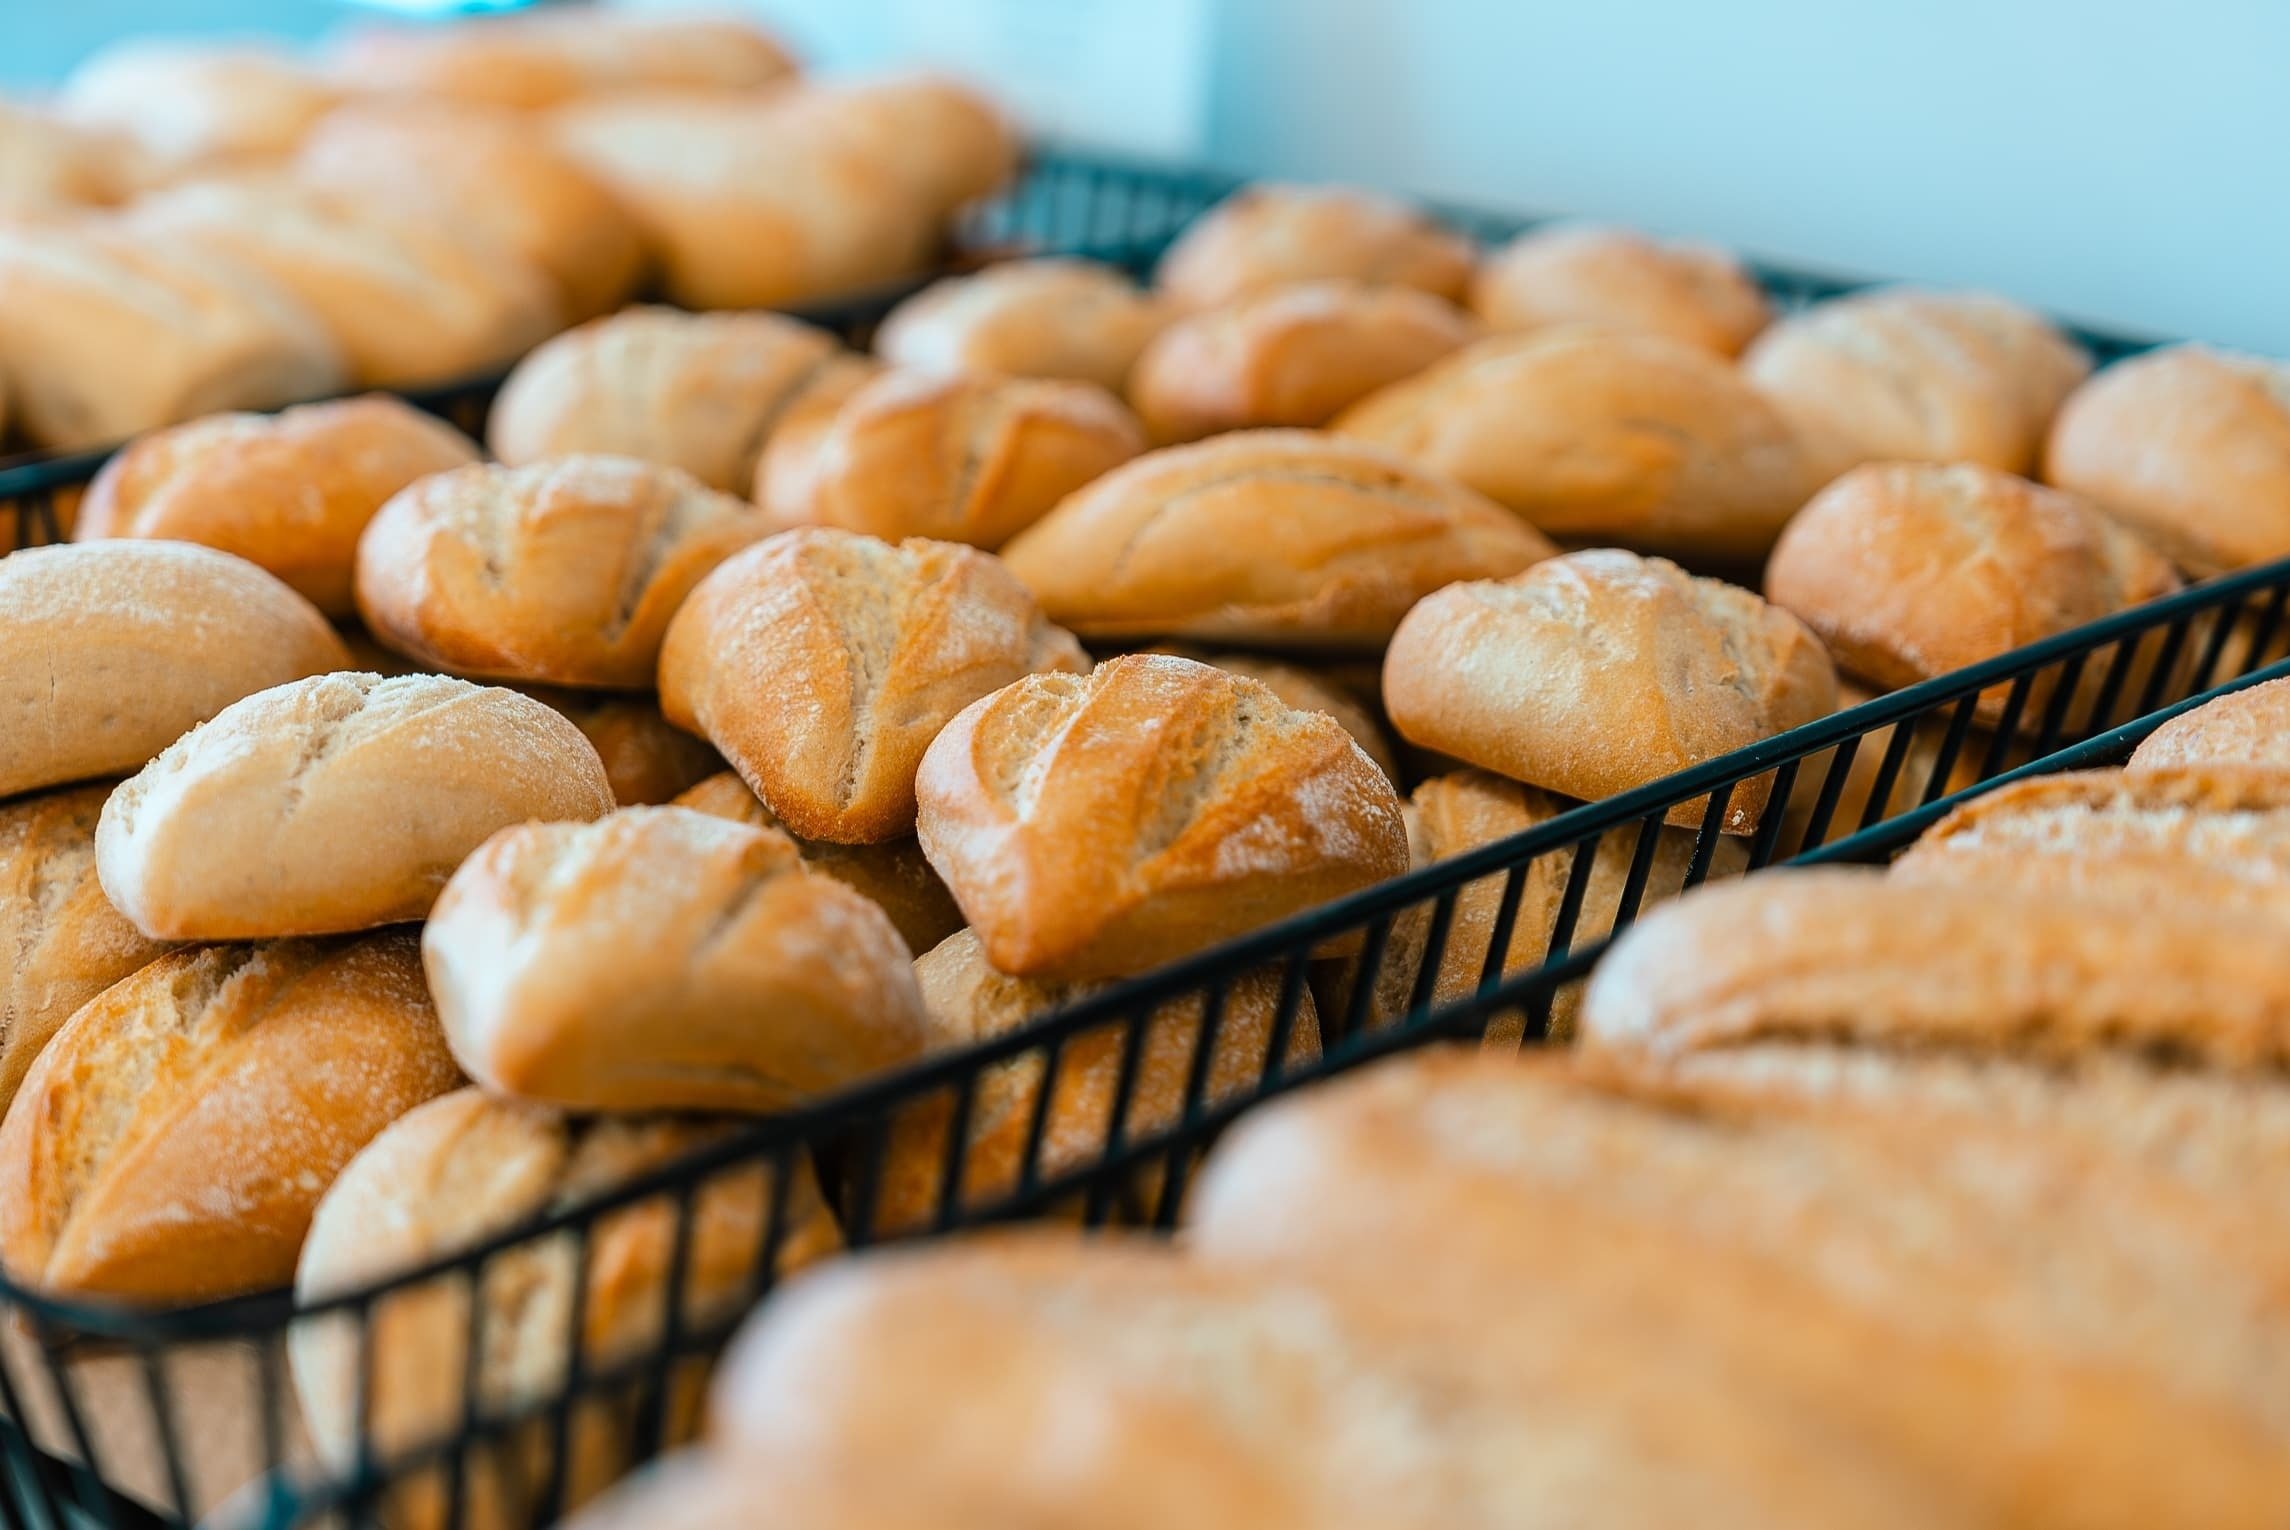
x: 171, y: 1141
x: 336, y: 803
x: 1908, y: 571
x: 540, y: 58
x: 105, y: 332
x: 466, y: 1168
x: 1270, y: 235
x: 1918, y: 376
x: 969, y: 1002
x: 1287, y: 538
x: 1579, y: 274
x: 564, y: 572
x: 197, y: 105
x: 821, y: 664
x: 109, y: 651
x: 1599, y: 435
x: 65, y: 942
x: 49, y: 165
x: 2246, y: 727
x: 493, y: 173
x: 942, y: 142
x: 1048, y: 317
x: 1097, y: 826
x: 647, y: 760
x: 962, y: 457
x: 699, y: 392
x: 409, y: 298
x: 788, y: 469
x: 2189, y: 446
x: 1307, y: 691
x: 288, y: 492
x: 1294, y: 355
x: 892, y: 874
x: 1600, y: 671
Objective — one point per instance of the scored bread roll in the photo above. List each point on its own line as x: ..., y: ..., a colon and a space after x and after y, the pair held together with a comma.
x: 564, y: 572
x: 822, y: 663
x: 172, y: 1140
x: 540, y: 58
x: 289, y: 492
x: 1602, y: 435
x: 192, y: 105
x: 1048, y: 317
x: 1099, y: 825
x: 647, y: 760
x: 1576, y: 274
x: 1291, y: 355
x: 2246, y: 727
x: 335, y: 803
x: 1307, y: 691
x: 105, y: 332
x: 1599, y: 671
x: 1269, y: 235
x: 1287, y: 538
x: 110, y: 651
x: 662, y: 959
x: 695, y: 391
x: 2190, y: 447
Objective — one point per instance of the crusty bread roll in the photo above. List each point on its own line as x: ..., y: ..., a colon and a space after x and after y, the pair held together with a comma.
x: 893, y: 873
x: 1287, y: 538
x: 699, y: 392
x: 1581, y: 274
x: 2246, y: 727
x: 647, y: 760
x: 1909, y: 570
x: 1270, y: 235
x: 789, y: 464
x: 171, y: 1141
x: 564, y: 572
x: 1048, y: 317
x: 961, y: 457
x: 336, y: 803
x: 1602, y: 435
x: 465, y: 1168
x: 662, y: 959
x: 2188, y: 445
x: 193, y: 105
x: 1307, y: 691
x: 494, y: 173
x: 1292, y: 355
x: 64, y: 941
x: 408, y: 297
x: 104, y: 333
x: 822, y: 663
x: 942, y: 142
x: 1600, y: 671
x: 969, y: 1002
x: 1918, y: 376
x: 288, y: 492
x: 1097, y: 826
x: 110, y: 651
x: 540, y: 58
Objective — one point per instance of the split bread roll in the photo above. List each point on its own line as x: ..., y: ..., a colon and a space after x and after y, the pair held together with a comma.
x: 1598, y: 435
x: 2190, y: 447
x: 647, y: 759
x: 565, y: 572
x: 1049, y: 317
x: 535, y: 59
x: 336, y: 803
x: 1600, y: 671
x: 1292, y: 355
x: 110, y: 651
x: 1903, y: 374
x: 2246, y: 727
x: 173, y: 1139
x: 1578, y: 274
x: 821, y: 664
x: 194, y: 105
x: 106, y: 332
x: 662, y: 959
x: 1286, y: 538
x: 289, y: 492
x: 1098, y: 826
x: 1271, y: 235
x: 466, y: 1168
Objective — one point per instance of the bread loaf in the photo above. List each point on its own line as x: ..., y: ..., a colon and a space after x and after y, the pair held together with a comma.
x: 336, y: 803
x: 822, y: 663
x: 1579, y: 274
x: 193, y: 105
x: 540, y: 58
x: 1270, y: 235
x: 1600, y: 671
x: 2247, y: 727
x: 1097, y: 826
x: 288, y: 492
x: 1048, y: 317
x: 110, y: 651
x: 170, y: 1143
x: 1286, y: 538
x: 647, y: 760
x: 565, y: 572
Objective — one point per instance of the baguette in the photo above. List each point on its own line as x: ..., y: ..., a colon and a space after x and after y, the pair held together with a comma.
x: 1047, y: 317
x: 1577, y: 274
x: 1270, y: 235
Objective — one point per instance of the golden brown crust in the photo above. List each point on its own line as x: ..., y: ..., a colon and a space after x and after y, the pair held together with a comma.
x: 1049, y: 317
x: 1269, y: 235
x: 2247, y: 727
x: 540, y: 58
x: 942, y: 143
x: 289, y: 492
x: 647, y: 759
x: 789, y: 463
x: 1576, y: 274
x: 1307, y: 690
